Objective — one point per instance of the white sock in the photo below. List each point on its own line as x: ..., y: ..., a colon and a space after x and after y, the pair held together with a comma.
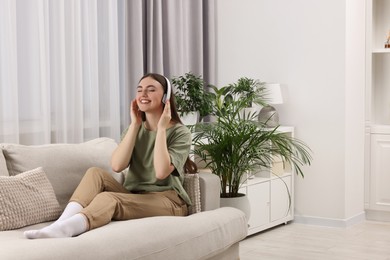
x: 70, y: 210
x: 70, y: 227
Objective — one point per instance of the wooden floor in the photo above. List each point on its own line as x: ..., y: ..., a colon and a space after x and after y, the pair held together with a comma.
x: 368, y: 240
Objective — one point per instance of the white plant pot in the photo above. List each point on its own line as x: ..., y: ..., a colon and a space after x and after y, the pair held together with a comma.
x: 241, y: 203
x: 190, y: 118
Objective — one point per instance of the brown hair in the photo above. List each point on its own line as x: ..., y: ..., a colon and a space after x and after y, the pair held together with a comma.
x: 189, y: 166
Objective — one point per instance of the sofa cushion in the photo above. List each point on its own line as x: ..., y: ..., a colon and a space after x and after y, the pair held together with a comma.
x: 27, y: 199
x: 198, y: 236
x: 64, y: 164
x: 3, y: 166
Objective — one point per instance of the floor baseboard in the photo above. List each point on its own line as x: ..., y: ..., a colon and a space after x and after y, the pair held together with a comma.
x: 330, y: 222
x: 377, y: 215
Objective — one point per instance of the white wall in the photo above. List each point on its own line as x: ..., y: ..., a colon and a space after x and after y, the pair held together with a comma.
x: 303, y: 45
x: 355, y: 106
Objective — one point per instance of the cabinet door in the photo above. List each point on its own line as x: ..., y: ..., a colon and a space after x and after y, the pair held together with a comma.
x: 380, y: 172
x: 258, y: 195
x: 281, y: 198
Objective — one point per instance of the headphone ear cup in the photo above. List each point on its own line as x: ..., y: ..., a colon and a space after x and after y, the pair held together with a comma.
x: 167, y: 95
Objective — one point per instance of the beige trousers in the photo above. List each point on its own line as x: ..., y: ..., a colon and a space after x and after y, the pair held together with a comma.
x: 104, y: 199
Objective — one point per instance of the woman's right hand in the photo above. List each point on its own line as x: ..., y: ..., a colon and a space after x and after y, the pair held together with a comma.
x: 135, y: 113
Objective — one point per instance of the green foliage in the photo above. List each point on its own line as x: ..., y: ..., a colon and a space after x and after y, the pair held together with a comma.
x: 250, y: 89
x: 236, y: 144
x: 191, y: 95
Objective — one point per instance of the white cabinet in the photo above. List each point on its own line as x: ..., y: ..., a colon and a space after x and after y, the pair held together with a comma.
x: 377, y: 159
x: 380, y: 175
x: 271, y: 196
x: 281, y: 199
x: 271, y: 201
x: 259, y: 199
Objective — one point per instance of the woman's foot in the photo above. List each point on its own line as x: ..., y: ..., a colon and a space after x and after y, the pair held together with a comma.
x: 70, y: 227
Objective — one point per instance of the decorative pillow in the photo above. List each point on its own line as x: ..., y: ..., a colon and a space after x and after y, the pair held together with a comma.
x: 27, y: 199
x: 191, y: 185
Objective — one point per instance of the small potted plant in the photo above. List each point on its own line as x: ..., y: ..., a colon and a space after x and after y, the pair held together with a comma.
x: 192, y: 100
x: 235, y: 145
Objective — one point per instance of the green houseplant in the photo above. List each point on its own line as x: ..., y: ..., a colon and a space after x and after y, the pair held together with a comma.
x: 253, y: 91
x: 236, y: 144
x: 191, y: 95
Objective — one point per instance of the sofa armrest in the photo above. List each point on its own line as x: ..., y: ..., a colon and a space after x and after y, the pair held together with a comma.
x: 209, y: 190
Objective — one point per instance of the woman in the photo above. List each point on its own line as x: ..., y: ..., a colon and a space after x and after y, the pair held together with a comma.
x: 155, y: 150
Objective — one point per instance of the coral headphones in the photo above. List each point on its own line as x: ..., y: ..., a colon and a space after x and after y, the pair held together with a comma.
x: 167, y: 95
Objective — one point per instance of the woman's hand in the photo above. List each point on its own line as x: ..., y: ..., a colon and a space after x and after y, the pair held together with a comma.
x: 165, y: 118
x: 135, y: 113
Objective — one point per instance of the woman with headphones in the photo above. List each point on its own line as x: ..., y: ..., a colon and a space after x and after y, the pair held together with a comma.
x: 155, y: 149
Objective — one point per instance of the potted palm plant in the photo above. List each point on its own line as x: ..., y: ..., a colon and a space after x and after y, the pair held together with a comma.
x: 192, y: 100
x: 236, y: 144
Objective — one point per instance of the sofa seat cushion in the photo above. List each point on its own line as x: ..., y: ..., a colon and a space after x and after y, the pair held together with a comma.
x: 198, y: 236
x: 64, y: 164
x: 25, y: 199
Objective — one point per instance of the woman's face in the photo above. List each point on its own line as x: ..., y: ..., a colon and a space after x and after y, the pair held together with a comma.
x: 149, y: 95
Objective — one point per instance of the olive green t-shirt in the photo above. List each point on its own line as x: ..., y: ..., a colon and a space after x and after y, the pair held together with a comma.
x: 141, y: 175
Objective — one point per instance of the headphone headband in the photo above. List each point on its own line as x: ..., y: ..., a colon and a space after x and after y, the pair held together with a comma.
x: 167, y: 95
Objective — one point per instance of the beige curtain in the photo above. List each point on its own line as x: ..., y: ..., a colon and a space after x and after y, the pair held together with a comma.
x: 170, y: 37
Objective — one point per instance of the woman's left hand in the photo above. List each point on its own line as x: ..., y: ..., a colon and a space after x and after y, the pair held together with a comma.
x: 165, y: 118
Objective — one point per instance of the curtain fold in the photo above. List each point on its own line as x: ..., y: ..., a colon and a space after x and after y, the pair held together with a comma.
x: 69, y: 68
x: 8, y: 71
x: 90, y: 56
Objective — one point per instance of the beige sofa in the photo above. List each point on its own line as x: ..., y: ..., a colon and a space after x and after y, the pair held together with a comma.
x: 213, y: 233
